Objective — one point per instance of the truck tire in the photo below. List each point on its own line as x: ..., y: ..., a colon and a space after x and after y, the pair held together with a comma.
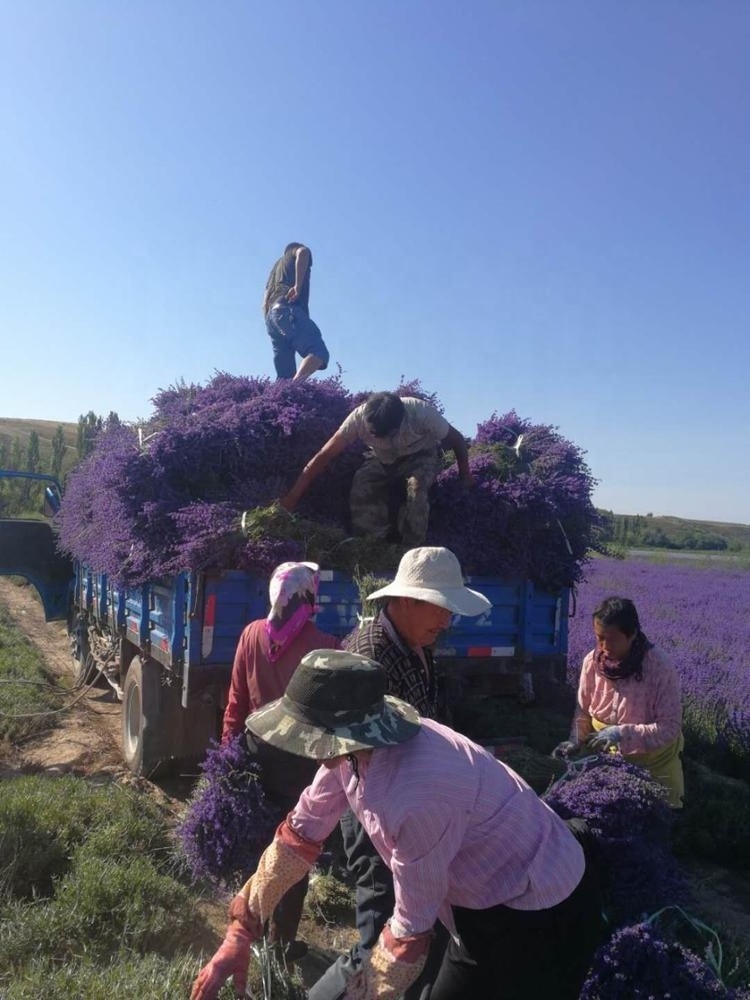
x: 144, y: 722
x: 84, y: 664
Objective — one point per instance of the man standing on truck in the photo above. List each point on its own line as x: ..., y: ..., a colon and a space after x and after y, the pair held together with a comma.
x: 427, y: 591
x: 405, y: 437
x: 287, y: 316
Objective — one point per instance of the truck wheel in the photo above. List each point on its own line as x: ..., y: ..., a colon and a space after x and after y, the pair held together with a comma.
x: 83, y: 662
x: 143, y: 719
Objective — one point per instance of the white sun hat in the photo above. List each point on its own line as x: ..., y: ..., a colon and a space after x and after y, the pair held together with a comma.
x: 433, y: 574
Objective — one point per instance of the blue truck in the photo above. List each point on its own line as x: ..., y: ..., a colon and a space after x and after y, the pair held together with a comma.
x: 166, y: 647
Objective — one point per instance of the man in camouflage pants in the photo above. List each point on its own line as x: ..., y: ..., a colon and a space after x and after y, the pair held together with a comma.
x: 390, y: 490
x: 427, y: 591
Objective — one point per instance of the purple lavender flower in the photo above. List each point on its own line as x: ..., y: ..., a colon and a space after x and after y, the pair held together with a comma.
x: 638, y: 963
x: 229, y: 822
x: 147, y: 506
x: 631, y: 822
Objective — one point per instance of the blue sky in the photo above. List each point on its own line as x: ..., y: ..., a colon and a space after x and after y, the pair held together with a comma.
x: 533, y: 205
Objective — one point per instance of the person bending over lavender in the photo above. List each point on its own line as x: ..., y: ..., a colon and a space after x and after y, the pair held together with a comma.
x: 467, y: 840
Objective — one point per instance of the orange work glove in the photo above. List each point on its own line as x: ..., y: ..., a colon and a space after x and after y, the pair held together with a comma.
x: 232, y: 959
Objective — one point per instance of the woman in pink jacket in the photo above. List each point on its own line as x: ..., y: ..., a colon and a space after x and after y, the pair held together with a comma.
x: 267, y: 654
x: 629, y: 698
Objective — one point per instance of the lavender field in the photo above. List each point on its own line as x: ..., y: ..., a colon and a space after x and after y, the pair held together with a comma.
x: 700, y: 614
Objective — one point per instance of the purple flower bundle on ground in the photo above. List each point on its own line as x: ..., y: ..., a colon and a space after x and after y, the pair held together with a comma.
x: 639, y: 963
x: 229, y: 822
x: 631, y: 822
x: 169, y: 497
x: 700, y: 615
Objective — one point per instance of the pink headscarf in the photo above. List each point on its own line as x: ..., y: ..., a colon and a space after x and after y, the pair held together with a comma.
x: 293, y: 590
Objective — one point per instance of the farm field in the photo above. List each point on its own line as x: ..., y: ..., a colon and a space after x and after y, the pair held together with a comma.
x: 717, y: 865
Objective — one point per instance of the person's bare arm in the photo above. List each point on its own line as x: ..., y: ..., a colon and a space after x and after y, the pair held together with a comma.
x: 457, y: 443
x: 301, y: 267
x: 320, y: 461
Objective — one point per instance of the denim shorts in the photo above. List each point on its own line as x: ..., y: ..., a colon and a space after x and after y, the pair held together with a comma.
x: 293, y: 332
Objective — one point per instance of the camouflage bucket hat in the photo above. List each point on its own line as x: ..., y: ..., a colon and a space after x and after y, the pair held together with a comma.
x: 334, y: 704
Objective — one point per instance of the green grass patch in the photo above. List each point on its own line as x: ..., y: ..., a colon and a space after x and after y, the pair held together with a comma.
x: 47, y: 824
x: 124, y: 975
x: 715, y: 819
x: 86, y: 871
x: 28, y: 691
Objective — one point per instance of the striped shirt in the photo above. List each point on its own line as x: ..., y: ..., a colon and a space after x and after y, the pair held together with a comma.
x: 454, y: 825
x: 648, y: 711
x: 410, y: 674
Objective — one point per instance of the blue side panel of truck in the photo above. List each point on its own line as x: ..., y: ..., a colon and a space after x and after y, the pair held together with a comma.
x: 195, y: 620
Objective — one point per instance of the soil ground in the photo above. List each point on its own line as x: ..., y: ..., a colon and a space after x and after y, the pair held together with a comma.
x: 86, y: 742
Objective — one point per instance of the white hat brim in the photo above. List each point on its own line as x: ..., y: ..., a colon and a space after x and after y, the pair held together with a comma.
x: 459, y: 600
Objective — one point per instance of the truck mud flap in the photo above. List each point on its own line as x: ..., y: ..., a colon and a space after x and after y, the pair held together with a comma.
x: 28, y: 549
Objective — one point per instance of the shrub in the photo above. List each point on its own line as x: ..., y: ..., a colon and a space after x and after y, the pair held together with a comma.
x: 85, y: 872
x: 123, y: 974
x: 329, y: 899
x: 105, y: 904
x: 714, y: 822
x: 47, y: 822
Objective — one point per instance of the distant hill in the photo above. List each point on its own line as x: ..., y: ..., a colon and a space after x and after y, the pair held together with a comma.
x: 664, y: 532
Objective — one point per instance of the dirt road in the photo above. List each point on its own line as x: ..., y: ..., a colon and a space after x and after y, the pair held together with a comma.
x: 86, y: 737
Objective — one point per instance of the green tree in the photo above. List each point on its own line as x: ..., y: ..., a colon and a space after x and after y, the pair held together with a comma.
x: 13, y: 488
x: 88, y: 427
x: 33, y: 457
x: 15, y: 454
x: 30, y: 490
x: 58, y: 451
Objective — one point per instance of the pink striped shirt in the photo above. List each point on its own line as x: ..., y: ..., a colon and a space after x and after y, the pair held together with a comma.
x: 649, y: 711
x: 454, y: 825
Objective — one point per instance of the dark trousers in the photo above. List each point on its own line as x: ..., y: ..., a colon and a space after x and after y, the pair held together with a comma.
x: 284, y: 776
x: 507, y: 954
x: 375, y: 902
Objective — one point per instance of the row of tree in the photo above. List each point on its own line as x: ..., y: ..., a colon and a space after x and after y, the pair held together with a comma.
x: 645, y: 531
x: 23, y: 497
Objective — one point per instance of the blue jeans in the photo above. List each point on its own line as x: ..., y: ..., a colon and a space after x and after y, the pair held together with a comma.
x: 293, y: 332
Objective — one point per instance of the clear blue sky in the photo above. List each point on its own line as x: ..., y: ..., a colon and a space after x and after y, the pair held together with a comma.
x: 533, y: 205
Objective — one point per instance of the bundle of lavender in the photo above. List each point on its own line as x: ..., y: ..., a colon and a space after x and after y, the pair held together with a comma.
x: 169, y: 495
